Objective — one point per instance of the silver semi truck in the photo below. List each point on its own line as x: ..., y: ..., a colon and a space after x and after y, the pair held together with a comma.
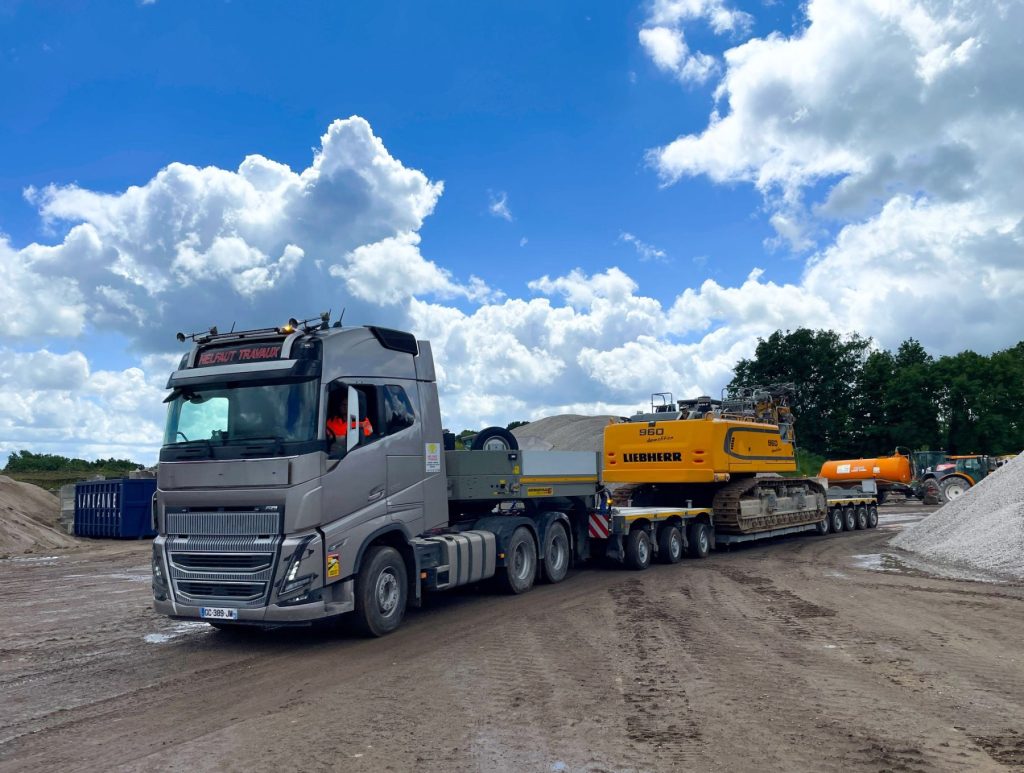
x: 303, y: 476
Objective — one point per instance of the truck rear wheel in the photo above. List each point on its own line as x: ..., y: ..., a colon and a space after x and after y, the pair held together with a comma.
x: 638, y: 549
x: 670, y: 544
x: 862, y: 517
x: 520, y: 568
x: 872, y: 516
x: 556, y: 553
x: 382, y: 588
x: 700, y: 540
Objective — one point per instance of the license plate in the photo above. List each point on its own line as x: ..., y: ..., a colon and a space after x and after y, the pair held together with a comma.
x: 218, y: 613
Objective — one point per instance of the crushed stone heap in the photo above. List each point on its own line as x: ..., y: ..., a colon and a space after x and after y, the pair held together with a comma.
x: 983, y: 528
x: 568, y: 432
x: 28, y: 519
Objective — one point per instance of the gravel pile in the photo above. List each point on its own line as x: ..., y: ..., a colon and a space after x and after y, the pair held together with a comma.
x: 984, y: 528
x: 568, y: 432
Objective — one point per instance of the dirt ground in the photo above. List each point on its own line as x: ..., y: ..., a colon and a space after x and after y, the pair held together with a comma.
x: 809, y: 653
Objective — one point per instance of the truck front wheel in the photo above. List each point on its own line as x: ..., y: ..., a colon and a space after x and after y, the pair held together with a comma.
x: 520, y: 562
x: 381, y: 591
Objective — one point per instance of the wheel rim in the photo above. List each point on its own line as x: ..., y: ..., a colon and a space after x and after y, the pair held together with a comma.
x: 837, y: 522
x: 388, y: 592
x: 521, y: 562
x: 642, y: 551
x: 495, y: 444
x: 557, y: 553
x: 954, y: 491
x: 702, y: 541
x: 675, y: 545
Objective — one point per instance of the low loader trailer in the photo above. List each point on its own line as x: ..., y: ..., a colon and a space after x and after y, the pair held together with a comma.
x: 304, y: 476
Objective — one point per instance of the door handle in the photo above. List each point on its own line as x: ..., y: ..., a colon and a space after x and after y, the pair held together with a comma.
x: 376, y: 494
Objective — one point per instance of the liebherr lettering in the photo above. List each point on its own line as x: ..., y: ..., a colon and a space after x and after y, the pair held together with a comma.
x: 652, y: 457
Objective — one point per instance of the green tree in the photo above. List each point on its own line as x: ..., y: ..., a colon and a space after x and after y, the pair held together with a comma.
x: 825, y: 367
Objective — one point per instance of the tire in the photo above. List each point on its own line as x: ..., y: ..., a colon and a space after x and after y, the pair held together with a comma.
x: 849, y: 519
x: 520, y: 570
x: 952, y: 488
x: 638, y: 549
x: 700, y: 540
x: 837, y: 520
x: 670, y: 544
x: 382, y: 589
x: 556, y: 553
x: 882, y: 497
x: 824, y: 526
x: 872, y: 516
x: 862, y: 517
x: 494, y: 439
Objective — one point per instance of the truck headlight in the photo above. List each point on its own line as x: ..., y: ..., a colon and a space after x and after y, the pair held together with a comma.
x: 160, y: 586
x: 292, y: 582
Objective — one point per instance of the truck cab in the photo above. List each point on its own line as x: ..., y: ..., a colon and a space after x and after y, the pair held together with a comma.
x: 302, y: 477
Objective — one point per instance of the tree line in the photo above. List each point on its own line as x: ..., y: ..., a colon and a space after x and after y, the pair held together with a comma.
x: 853, y: 400
x: 26, y: 461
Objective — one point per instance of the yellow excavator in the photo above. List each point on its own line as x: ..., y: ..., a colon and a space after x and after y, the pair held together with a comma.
x: 727, y: 455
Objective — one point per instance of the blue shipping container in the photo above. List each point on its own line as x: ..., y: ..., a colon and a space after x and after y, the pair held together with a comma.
x: 114, y: 509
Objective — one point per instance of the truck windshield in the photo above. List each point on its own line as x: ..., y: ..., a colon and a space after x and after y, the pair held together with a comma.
x: 224, y: 414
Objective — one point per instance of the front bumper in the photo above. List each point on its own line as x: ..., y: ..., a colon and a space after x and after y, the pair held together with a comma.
x: 341, y: 599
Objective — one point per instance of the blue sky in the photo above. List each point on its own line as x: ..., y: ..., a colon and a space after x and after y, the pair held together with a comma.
x: 553, y: 103
x: 833, y: 165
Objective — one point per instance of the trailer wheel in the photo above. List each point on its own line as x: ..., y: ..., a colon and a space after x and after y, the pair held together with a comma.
x: 556, y: 553
x: 862, y: 517
x: 849, y: 519
x: 381, y: 591
x: 837, y: 519
x: 638, y: 549
x: 872, y: 517
x: 670, y: 544
x: 520, y: 568
x: 824, y: 526
x: 700, y: 540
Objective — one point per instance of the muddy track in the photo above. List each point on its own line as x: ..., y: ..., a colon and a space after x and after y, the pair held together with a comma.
x: 784, y: 656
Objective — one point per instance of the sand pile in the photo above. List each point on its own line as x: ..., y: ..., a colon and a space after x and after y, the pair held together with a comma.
x: 983, y: 528
x: 28, y: 519
x: 569, y: 432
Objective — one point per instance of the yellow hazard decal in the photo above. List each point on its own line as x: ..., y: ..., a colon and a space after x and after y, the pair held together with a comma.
x: 333, y: 565
x: 539, y: 491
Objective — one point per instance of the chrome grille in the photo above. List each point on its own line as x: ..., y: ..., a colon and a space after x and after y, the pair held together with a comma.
x: 216, y: 591
x: 232, y: 571
x: 224, y: 562
x: 224, y: 523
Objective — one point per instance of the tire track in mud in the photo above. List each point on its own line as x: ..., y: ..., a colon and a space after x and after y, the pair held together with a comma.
x: 659, y: 719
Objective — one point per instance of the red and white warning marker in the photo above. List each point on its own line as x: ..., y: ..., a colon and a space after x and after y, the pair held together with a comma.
x: 598, y: 526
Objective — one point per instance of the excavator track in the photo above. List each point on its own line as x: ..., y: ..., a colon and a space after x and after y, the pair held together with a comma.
x: 752, y: 505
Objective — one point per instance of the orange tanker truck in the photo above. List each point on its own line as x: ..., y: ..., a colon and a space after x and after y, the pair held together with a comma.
x: 912, y: 473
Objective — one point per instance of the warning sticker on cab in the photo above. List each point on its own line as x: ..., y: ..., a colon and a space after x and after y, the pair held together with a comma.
x: 433, y: 457
x: 333, y: 565
x: 539, y: 491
